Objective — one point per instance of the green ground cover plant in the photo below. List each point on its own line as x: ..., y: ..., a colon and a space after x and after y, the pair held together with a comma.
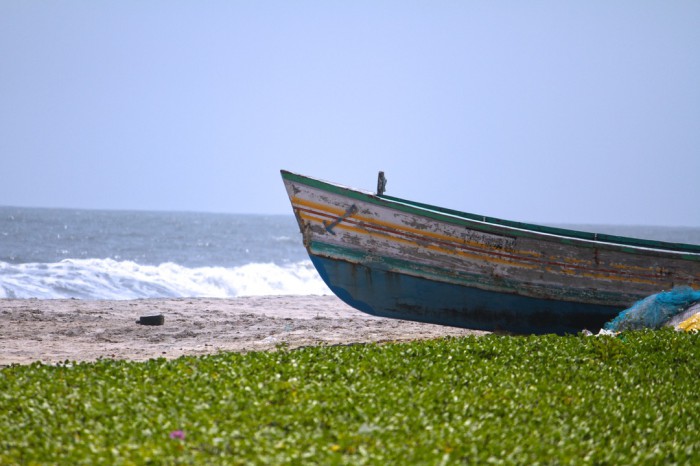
x: 629, y: 399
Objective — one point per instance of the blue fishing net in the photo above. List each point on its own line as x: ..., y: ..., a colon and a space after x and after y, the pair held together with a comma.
x: 655, y: 310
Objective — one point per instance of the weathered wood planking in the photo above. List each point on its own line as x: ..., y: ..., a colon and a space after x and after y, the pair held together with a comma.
x: 402, y: 259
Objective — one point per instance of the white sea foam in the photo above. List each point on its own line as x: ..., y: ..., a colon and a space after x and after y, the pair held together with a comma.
x: 112, y: 279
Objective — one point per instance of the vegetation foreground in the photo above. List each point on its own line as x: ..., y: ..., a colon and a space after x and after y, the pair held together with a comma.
x: 628, y: 399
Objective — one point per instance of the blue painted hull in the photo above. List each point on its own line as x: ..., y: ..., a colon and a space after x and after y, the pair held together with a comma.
x: 419, y: 299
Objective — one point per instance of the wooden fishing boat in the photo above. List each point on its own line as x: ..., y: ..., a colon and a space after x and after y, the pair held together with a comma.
x: 401, y: 259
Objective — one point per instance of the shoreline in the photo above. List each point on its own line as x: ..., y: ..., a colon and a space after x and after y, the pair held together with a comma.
x: 57, y: 330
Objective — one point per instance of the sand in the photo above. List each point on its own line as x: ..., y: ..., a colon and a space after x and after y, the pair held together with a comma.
x: 53, y: 331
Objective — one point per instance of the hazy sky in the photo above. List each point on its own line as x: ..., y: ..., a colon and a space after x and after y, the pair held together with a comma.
x: 564, y: 112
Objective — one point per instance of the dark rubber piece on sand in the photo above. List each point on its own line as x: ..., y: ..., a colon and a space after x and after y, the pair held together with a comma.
x: 151, y: 320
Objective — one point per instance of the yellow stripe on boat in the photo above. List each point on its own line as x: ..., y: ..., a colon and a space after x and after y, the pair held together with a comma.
x: 691, y: 324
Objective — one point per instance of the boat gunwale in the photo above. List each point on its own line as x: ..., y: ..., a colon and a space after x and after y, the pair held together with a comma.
x: 541, y: 232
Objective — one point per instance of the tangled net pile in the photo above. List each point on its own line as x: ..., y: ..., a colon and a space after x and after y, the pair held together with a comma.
x: 656, y: 310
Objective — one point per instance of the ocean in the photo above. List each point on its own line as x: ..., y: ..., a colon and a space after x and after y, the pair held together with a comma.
x: 93, y: 254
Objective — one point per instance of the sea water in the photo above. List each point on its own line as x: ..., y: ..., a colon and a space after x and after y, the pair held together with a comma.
x: 92, y: 254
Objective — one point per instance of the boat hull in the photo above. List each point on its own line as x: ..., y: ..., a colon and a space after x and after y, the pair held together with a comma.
x: 418, y: 299
x: 396, y: 258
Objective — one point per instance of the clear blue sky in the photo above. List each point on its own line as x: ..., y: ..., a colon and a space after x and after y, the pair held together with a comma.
x: 563, y: 112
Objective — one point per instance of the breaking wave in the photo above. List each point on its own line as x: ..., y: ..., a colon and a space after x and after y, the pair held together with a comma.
x: 112, y: 279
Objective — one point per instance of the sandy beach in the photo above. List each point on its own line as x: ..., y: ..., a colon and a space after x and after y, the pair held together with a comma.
x: 57, y: 330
